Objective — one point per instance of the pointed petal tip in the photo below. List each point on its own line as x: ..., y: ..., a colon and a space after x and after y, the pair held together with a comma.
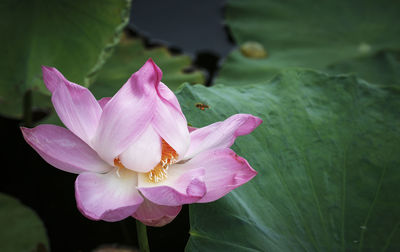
x: 221, y: 134
x: 156, y: 68
x: 26, y: 133
x: 238, y: 158
x: 24, y: 129
x: 248, y: 123
x: 46, y: 68
x: 149, y: 72
x: 150, y: 60
x: 247, y: 174
x: 258, y: 120
x: 50, y: 77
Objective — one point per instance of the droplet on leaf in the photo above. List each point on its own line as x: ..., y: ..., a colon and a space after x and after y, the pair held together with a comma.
x: 252, y: 49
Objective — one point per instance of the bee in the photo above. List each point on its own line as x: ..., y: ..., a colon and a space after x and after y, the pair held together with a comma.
x: 202, y: 106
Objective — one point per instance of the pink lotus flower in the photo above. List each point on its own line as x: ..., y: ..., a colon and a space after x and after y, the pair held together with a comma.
x: 134, y: 153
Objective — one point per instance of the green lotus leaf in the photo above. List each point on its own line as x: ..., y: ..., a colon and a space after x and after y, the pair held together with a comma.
x: 21, y: 229
x: 73, y: 36
x: 327, y: 156
x: 335, y: 36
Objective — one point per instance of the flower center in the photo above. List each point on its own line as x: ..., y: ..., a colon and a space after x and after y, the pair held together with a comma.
x: 160, y: 171
x: 168, y: 157
x: 121, y: 169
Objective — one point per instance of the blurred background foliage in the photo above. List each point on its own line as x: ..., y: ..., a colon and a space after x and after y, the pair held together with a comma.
x: 73, y: 36
x: 323, y: 75
x: 130, y: 54
x: 357, y: 36
x: 21, y: 228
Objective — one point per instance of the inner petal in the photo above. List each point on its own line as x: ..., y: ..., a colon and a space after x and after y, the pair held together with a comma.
x: 168, y: 157
x: 121, y: 171
x: 144, y: 153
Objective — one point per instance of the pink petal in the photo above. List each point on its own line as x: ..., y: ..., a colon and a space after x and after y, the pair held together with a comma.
x: 63, y: 150
x: 165, y: 93
x: 169, y: 121
x: 221, y: 134
x: 103, y: 101
x: 224, y: 171
x: 156, y: 215
x: 111, y: 197
x: 144, y: 153
x: 191, y: 129
x: 74, y: 104
x: 181, y: 187
x: 128, y: 113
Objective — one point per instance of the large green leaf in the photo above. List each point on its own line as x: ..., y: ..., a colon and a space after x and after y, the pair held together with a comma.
x: 20, y: 229
x: 72, y: 35
x: 130, y: 55
x: 327, y: 156
x: 334, y: 35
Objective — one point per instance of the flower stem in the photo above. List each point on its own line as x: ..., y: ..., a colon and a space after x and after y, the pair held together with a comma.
x: 142, y: 237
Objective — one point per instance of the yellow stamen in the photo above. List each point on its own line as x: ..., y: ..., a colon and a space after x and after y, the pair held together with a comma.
x: 120, y: 167
x: 168, y: 157
x: 117, y: 163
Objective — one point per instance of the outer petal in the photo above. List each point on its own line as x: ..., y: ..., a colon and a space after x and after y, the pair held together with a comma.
x: 62, y: 149
x: 110, y: 197
x: 165, y: 93
x: 103, y: 101
x: 155, y: 215
x: 221, y: 134
x: 181, y: 187
x: 74, y: 104
x: 170, y: 122
x: 128, y: 113
x: 191, y: 129
x: 224, y: 172
x: 144, y: 154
